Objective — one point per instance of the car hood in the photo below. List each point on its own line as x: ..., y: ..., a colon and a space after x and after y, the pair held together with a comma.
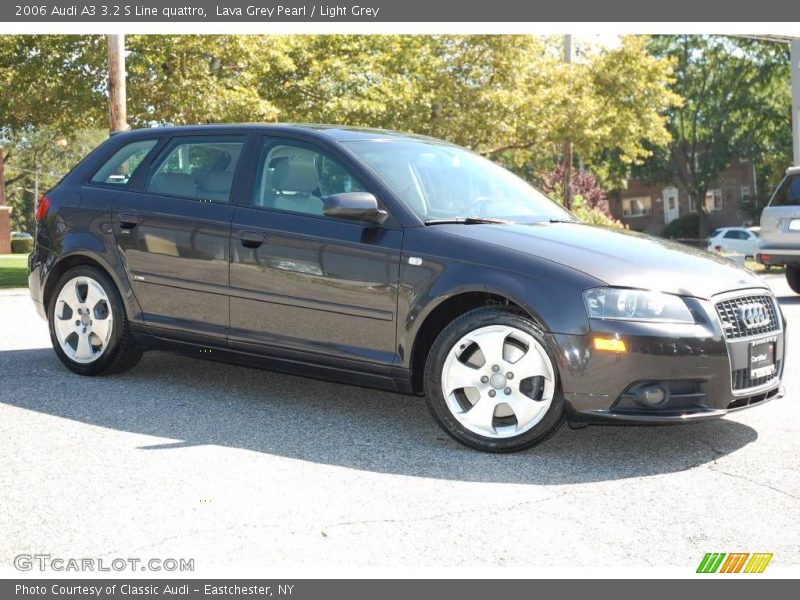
x: 618, y: 257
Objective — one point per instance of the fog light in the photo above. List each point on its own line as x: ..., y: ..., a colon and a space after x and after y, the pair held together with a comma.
x: 652, y: 396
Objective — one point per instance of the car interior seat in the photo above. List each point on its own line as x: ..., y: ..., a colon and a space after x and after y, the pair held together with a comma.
x: 294, y: 184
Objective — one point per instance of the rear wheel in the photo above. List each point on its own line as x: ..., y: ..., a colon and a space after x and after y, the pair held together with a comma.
x: 491, y: 382
x: 793, y: 277
x: 88, y: 325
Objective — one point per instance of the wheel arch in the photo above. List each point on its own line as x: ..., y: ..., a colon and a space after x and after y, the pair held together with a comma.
x: 83, y: 258
x: 446, y: 310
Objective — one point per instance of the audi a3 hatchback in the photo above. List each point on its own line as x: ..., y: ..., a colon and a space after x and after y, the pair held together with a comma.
x: 394, y: 261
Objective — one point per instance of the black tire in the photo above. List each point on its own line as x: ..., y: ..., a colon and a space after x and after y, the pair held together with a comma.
x: 437, y: 404
x: 793, y: 277
x: 121, y: 352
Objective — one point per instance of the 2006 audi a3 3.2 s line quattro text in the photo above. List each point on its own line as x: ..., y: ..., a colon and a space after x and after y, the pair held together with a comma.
x: 393, y: 261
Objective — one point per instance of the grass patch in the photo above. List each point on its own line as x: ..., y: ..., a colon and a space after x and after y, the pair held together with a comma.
x: 13, y: 270
x: 761, y: 269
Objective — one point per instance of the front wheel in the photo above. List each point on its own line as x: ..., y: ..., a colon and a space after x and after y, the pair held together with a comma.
x: 491, y: 383
x: 88, y: 325
x: 793, y: 278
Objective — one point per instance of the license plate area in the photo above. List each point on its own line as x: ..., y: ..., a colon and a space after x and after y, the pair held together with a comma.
x: 761, y: 358
x: 794, y: 225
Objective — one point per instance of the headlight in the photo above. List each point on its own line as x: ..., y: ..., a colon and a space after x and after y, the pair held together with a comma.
x: 636, y: 305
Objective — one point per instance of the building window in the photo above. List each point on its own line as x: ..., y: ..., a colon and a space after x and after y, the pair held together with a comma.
x: 714, y: 200
x: 692, y: 204
x: 636, y: 207
x: 744, y: 194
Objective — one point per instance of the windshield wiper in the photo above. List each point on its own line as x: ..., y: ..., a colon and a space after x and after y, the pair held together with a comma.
x: 563, y: 221
x: 468, y: 221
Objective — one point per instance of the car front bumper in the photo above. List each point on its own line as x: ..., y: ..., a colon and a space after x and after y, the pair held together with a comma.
x: 705, y: 373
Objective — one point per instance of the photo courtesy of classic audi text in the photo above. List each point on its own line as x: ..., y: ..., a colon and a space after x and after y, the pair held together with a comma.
x: 313, y: 300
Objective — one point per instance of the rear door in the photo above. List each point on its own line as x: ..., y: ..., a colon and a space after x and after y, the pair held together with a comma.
x: 780, y: 221
x: 304, y: 285
x: 173, y: 232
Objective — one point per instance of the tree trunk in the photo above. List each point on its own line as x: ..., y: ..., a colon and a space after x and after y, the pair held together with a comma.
x: 702, y: 210
x: 2, y: 177
x: 568, y: 176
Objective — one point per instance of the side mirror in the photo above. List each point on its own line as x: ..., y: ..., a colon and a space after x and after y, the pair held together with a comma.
x: 359, y: 206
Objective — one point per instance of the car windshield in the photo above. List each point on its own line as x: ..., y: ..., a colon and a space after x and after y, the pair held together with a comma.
x: 444, y: 182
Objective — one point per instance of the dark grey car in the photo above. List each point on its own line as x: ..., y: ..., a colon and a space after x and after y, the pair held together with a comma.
x: 394, y: 261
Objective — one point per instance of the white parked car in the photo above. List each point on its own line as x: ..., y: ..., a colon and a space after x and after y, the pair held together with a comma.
x: 739, y: 240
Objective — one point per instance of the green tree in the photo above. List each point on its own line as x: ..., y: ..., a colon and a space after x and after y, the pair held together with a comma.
x: 735, y: 104
x: 509, y: 97
x: 186, y: 79
x: 47, y: 80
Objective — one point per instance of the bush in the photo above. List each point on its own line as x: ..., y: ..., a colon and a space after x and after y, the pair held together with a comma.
x: 593, y: 215
x: 23, y: 246
x: 686, y: 226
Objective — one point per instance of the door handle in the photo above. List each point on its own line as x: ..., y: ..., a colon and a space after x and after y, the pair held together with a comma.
x: 127, y: 221
x: 251, y: 239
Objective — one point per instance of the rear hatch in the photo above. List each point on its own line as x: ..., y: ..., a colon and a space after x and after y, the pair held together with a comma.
x: 780, y: 220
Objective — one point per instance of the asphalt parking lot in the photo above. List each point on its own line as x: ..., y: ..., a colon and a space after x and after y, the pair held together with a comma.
x: 242, y: 468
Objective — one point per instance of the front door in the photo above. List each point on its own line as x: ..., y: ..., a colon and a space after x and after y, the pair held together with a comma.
x: 174, y: 236
x: 304, y: 285
x: 671, y: 205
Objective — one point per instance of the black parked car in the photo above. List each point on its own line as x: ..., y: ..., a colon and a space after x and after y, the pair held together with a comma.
x: 393, y: 261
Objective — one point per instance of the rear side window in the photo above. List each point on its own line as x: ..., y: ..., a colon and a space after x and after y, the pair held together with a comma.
x: 788, y: 192
x: 735, y: 234
x: 198, y: 169
x: 119, y: 169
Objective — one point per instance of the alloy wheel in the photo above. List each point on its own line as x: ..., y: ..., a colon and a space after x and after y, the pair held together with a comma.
x: 498, y: 381
x: 83, y: 320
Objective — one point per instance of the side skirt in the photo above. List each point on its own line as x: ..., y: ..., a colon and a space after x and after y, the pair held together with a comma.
x: 399, y: 381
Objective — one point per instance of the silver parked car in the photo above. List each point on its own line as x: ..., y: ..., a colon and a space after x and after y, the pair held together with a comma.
x: 780, y: 229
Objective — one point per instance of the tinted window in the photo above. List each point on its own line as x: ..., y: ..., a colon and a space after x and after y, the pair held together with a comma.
x: 119, y: 169
x: 736, y: 235
x: 788, y: 192
x: 296, y: 178
x: 200, y: 169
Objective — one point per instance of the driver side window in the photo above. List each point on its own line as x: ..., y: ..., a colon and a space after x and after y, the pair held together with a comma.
x: 295, y: 178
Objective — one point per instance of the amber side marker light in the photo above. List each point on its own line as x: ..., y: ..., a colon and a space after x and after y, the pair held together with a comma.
x: 609, y: 344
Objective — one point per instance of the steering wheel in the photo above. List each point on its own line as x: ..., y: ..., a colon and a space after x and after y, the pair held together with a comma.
x: 481, y: 201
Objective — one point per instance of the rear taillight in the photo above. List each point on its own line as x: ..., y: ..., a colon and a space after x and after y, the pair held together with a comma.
x: 42, y: 208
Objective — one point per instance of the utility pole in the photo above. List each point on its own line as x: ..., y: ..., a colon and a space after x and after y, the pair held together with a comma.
x: 117, y: 102
x: 567, y: 144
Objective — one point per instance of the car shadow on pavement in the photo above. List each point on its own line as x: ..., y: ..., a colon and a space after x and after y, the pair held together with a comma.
x: 192, y: 402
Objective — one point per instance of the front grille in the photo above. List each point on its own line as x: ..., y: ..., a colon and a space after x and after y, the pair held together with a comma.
x: 741, y: 380
x: 734, y: 325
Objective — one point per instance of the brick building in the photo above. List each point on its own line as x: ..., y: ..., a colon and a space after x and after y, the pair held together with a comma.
x: 647, y: 206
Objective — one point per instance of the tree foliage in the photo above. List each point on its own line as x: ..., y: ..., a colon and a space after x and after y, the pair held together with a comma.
x: 735, y: 104
x: 511, y: 98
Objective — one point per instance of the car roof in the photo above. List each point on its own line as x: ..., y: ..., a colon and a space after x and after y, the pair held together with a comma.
x: 339, y: 133
x: 739, y: 227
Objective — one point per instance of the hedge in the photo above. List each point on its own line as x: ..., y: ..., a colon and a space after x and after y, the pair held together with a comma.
x: 22, y: 246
